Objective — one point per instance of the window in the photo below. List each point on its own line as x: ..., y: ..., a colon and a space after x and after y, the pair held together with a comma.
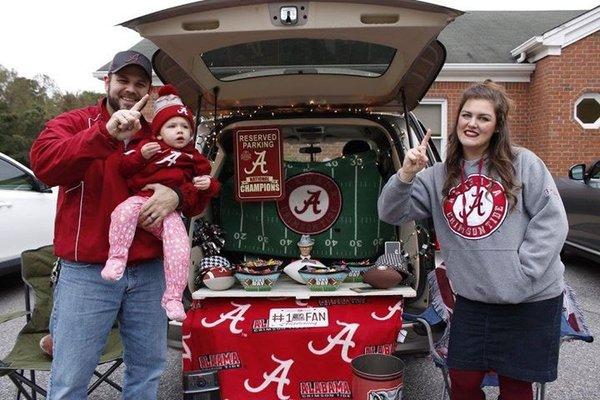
x: 433, y: 114
x: 298, y: 56
x: 322, y: 152
x: 587, y: 111
x: 595, y: 175
x: 13, y: 178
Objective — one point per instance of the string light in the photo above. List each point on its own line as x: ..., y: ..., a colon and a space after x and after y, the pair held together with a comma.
x: 262, y: 111
x: 295, y: 109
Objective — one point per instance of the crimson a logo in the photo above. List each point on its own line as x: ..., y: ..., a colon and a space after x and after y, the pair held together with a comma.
x: 475, y: 208
x: 312, y: 203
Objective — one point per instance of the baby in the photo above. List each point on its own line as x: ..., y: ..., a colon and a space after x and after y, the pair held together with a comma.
x: 171, y: 160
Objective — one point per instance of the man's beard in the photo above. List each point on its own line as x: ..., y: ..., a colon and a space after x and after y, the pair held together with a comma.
x: 113, y: 101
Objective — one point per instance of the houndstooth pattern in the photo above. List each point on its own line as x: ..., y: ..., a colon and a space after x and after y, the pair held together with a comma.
x: 213, y: 261
x: 395, y: 260
x: 399, y: 263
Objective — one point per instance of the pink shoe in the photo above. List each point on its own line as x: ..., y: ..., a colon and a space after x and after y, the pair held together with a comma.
x: 175, y: 311
x: 113, y: 270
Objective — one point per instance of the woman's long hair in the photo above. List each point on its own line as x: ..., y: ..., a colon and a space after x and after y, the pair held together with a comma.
x: 500, y: 152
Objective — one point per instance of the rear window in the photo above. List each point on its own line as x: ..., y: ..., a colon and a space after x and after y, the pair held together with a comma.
x: 298, y: 56
x: 323, y: 152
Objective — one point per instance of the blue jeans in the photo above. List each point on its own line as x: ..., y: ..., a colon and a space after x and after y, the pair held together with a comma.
x: 85, y: 309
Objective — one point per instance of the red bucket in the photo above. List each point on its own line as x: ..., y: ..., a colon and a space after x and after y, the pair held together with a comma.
x: 377, y: 377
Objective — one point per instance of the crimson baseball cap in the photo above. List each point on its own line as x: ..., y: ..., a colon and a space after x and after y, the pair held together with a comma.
x: 130, y: 57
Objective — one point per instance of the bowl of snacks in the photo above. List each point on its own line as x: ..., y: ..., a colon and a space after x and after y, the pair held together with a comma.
x: 259, y: 265
x: 325, y: 279
x: 258, y: 275
x: 357, y: 269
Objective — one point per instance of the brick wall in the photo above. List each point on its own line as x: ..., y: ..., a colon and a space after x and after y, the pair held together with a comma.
x: 557, y: 83
x: 543, y: 117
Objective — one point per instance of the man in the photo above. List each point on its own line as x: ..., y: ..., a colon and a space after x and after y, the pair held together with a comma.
x: 80, y: 151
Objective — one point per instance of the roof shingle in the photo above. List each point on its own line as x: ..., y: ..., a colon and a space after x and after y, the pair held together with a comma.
x: 489, y: 36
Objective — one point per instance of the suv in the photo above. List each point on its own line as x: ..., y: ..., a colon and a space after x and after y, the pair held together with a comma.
x: 580, y: 193
x: 27, y: 209
x: 331, y: 82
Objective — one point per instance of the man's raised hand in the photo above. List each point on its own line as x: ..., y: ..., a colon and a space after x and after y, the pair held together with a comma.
x: 124, y: 123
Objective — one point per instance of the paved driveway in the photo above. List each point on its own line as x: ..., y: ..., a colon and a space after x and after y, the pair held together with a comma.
x: 579, y: 374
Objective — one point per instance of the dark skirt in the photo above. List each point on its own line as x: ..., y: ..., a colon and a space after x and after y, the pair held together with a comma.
x: 520, y: 341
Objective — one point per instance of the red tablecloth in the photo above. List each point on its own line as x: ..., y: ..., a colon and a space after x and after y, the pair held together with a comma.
x: 256, y: 362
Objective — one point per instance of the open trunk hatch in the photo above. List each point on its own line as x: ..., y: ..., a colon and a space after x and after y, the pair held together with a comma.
x: 262, y: 53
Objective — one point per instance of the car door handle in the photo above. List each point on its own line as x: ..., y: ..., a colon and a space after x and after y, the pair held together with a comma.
x: 5, y: 204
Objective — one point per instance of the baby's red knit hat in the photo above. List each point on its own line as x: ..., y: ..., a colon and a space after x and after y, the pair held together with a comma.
x: 169, y: 105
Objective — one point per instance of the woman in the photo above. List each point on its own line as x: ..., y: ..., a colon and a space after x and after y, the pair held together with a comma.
x: 501, y: 225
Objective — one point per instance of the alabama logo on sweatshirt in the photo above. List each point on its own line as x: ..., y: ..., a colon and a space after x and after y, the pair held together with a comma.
x: 476, y: 207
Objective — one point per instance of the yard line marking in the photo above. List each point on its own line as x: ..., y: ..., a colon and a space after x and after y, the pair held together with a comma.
x: 330, y: 241
x: 355, y: 207
x: 331, y: 229
x: 241, y: 224
x: 262, y: 223
x: 378, y: 220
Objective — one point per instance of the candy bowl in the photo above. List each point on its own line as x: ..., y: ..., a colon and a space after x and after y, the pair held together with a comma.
x: 257, y: 281
x: 259, y: 265
x: 357, y: 269
x: 324, y: 279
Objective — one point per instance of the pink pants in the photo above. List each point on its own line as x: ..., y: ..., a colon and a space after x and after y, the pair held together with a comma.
x: 176, y: 246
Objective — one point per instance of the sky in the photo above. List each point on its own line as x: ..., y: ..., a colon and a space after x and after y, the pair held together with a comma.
x: 69, y: 40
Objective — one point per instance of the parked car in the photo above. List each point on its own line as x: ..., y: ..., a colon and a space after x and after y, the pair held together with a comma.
x: 580, y: 193
x: 320, y: 74
x: 27, y: 210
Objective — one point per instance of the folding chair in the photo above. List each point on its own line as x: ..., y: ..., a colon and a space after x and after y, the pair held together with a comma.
x: 26, y: 355
x: 439, y: 311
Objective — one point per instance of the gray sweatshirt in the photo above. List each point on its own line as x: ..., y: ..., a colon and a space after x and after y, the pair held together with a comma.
x: 492, y: 254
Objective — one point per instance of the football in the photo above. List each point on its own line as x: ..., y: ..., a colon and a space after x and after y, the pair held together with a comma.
x: 218, y: 278
x: 382, y: 277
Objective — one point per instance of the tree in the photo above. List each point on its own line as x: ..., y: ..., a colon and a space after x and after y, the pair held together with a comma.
x: 25, y: 106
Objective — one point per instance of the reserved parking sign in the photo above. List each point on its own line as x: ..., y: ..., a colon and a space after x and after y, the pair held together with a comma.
x: 259, y: 164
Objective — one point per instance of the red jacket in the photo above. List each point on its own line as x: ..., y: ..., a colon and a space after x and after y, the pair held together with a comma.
x: 76, y: 152
x: 171, y: 167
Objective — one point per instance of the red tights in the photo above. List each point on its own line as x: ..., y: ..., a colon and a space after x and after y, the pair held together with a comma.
x: 466, y: 385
